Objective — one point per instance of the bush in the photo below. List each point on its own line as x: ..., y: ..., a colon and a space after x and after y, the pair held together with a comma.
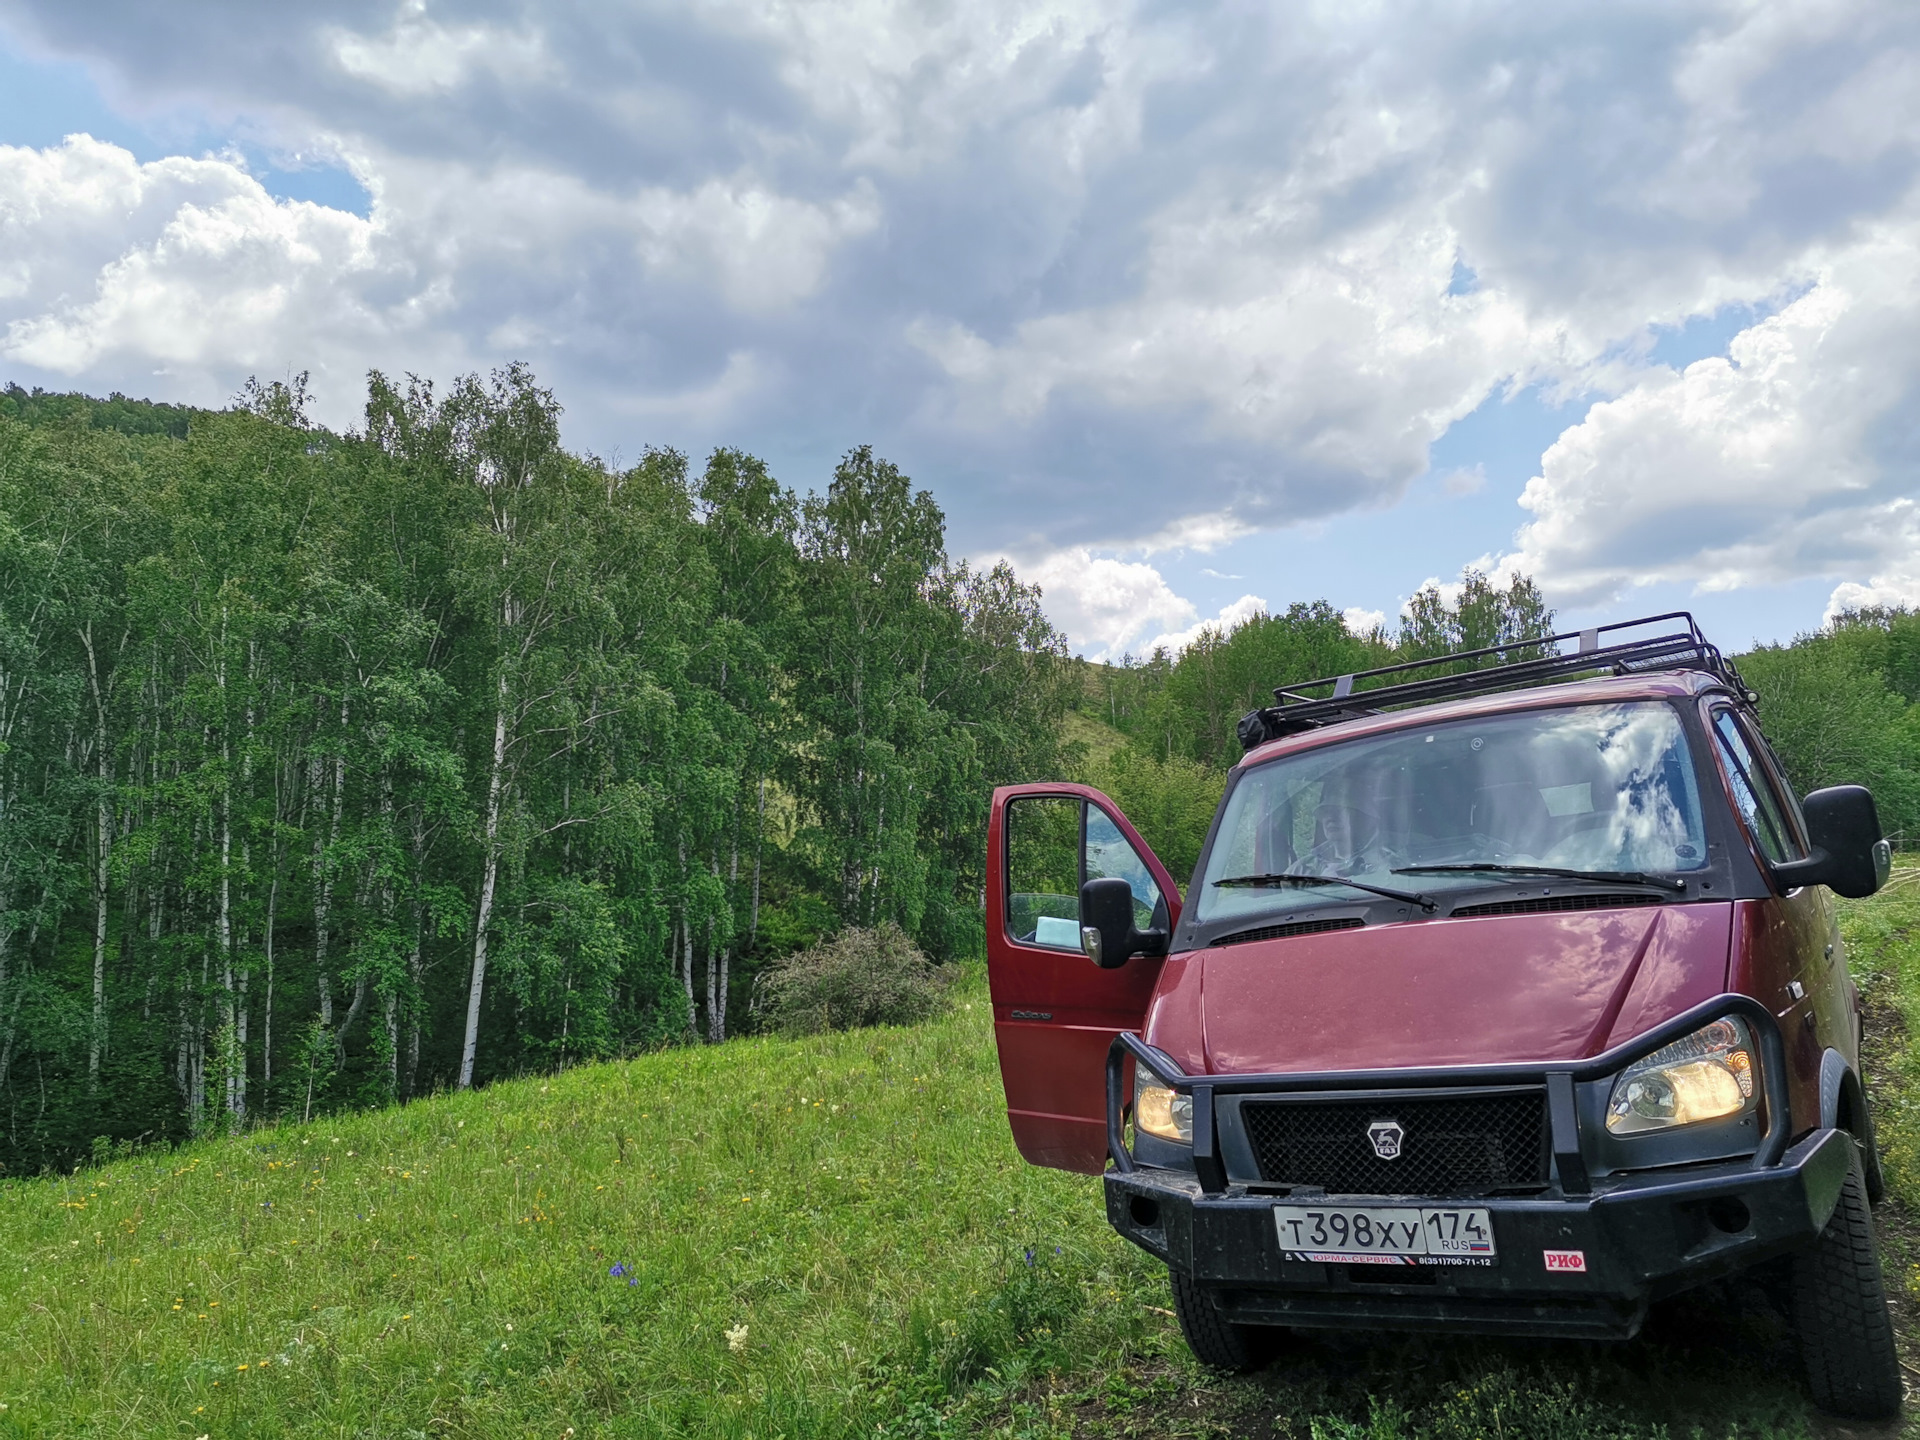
x: 861, y: 977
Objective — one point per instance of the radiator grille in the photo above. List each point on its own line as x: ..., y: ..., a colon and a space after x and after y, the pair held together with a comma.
x: 1280, y: 932
x: 1547, y: 903
x: 1450, y: 1145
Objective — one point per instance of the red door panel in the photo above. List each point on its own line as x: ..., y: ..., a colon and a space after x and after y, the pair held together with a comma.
x: 1055, y: 1012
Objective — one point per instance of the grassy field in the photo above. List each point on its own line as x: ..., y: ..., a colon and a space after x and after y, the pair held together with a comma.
x: 825, y: 1237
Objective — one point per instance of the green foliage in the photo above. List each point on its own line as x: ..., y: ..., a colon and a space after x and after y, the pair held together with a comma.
x: 1834, y: 715
x: 1832, y: 721
x: 861, y: 977
x: 334, y: 768
x: 1170, y: 802
x: 1480, y: 617
x: 39, y: 407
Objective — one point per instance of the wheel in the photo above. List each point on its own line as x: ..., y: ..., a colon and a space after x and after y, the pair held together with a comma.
x: 1214, y: 1339
x: 1840, y: 1313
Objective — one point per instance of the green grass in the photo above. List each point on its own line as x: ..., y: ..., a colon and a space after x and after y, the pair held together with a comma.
x: 849, y: 1208
x: 852, y: 1201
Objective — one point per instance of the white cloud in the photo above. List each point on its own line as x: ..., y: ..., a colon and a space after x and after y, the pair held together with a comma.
x: 419, y: 56
x: 1790, y: 458
x: 762, y: 250
x: 182, y: 265
x: 1230, y: 618
x: 1362, y: 621
x: 1109, y: 607
x: 1105, y: 606
x: 1137, y: 279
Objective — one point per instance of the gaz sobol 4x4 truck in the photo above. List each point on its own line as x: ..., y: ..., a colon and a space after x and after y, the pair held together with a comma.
x: 1505, y: 999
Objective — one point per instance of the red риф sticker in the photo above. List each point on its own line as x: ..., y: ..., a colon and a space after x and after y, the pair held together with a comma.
x: 1565, y: 1259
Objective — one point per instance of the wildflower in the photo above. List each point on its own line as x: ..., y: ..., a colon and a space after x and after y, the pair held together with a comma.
x: 509, y: 1329
x: 737, y: 1338
x: 406, y: 1317
x: 617, y: 1271
x: 239, y: 1367
x: 1029, y: 1255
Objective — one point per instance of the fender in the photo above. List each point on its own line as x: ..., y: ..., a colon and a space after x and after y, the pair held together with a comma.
x: 1843, y: 1096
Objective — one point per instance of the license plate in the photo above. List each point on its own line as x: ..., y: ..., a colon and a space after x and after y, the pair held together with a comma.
x: 1380, y: 1235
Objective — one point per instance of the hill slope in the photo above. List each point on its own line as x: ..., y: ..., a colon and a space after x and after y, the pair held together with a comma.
x: 810, y: 1238
x: 853, y: 1202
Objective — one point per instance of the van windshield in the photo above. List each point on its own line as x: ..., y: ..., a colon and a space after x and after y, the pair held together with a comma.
x: 1590, y: 787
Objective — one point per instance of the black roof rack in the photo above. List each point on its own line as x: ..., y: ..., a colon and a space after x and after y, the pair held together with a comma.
x: 1539, y: 662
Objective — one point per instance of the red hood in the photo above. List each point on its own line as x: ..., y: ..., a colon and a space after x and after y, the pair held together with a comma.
x: 1477, y: 991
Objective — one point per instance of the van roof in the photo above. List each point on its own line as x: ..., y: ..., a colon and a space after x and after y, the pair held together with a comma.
x: 1666, y: 685
x: 1481, y: 679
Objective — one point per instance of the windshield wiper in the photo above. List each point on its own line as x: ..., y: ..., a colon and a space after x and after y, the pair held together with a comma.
x: 1425, y: 902
x: 1551, y: 872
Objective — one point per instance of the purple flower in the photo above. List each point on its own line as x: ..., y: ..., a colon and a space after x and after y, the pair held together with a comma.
x: 1029, y: 1255
x: 617, y: 1271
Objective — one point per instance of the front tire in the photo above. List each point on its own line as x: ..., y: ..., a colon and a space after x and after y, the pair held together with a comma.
x: 1214, y: 1339
x: 1840, y: 1313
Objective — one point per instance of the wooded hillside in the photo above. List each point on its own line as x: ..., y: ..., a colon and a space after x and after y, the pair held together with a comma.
x: 333, y: 768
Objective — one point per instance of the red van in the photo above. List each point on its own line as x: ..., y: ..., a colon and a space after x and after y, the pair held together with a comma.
x: 1507, y: 996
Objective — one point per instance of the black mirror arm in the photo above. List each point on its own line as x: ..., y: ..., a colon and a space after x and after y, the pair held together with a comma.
x: 1150, y: 943
x: 1814, y: 870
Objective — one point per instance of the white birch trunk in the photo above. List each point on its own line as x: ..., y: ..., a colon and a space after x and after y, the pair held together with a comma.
x: 103, y: 848
x: 490, y: 874
x: 323, y: 878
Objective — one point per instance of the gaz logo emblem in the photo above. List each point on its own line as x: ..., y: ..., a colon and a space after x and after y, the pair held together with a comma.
x: 1386, y: 1136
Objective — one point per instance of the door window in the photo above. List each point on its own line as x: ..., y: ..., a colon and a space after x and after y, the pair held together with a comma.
x: 1043, y: 871
x: 1056, y: 843
x: 1754, y: 791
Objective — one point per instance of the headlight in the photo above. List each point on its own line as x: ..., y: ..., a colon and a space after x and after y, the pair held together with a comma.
x: 1706, y: 1076
x: 1159, y: 1111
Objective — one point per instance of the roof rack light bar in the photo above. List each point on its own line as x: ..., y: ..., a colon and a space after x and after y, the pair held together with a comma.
x: 1352, y: 697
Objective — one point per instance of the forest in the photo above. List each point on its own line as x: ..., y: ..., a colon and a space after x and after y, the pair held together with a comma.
x: 334, y: 768
x: 338, y: 768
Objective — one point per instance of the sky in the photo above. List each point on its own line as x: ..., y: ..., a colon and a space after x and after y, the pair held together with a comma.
x: 1187, y: 310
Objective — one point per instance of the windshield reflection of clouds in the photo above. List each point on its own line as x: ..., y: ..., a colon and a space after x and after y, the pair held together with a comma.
x: 1593, y: 787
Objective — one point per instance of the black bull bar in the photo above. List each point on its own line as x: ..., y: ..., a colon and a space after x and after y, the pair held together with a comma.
x: 1558, y: 1078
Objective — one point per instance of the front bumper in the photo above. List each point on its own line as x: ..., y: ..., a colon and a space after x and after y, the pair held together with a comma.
x: 1641, y: 1236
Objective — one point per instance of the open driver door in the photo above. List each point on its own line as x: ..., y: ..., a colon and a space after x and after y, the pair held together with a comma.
x: 1055, y: 1012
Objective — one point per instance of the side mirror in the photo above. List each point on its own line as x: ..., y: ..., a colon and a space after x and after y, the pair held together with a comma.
x: 1107, y: 934
x: 1849, y: 856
